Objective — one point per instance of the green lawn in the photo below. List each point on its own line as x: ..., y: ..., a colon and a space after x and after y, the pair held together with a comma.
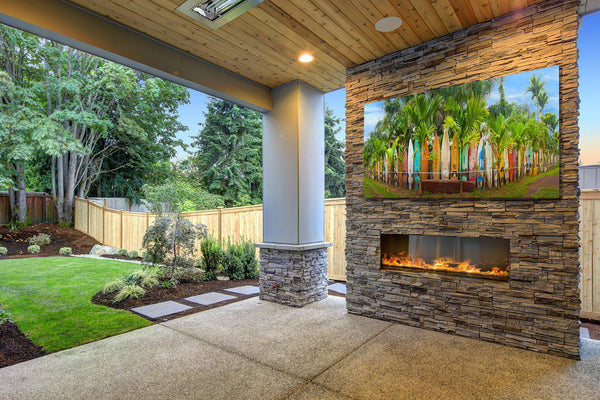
x: 49, y: 298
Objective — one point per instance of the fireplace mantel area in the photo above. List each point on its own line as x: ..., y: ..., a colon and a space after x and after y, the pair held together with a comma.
x: 533, y: 301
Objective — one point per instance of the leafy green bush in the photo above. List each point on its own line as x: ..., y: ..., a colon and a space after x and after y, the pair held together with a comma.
x: 122, y: 252
x: 66, y: 251
x: 132, y: 285
x: 4, y: 316
x: 212, y: 257
x: 171, y: 240
x: 40, y: 239
x: 133, y: 254
x: 185, y: 275
x: 3, y: 251
x: 33, y: 249
x: 239, y: 260
x: 178, y: 196
x: 146, y: 256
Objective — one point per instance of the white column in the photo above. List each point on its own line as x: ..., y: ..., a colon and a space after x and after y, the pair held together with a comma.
x: 294, y: 166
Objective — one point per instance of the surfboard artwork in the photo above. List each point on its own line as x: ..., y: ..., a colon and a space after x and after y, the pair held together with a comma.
x: 433, y: 145
x: 445, y: 156
x: 411, y: 165
x: 435, y: 170
x: 454, y: 159
x: 472, y: 161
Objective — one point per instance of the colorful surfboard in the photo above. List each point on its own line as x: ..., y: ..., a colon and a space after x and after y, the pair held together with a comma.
x: 480, y: 164
x: 463, y: 164
x: 445, y: 156
x: 489, y: 165
x: 425, y: 160
x: 411, y: 165
x: 417, y: 164
x: 472, y: 161
x: 454, y: 160
x: 435, y: 170
x: 505, y: 163
x: 405, y: 169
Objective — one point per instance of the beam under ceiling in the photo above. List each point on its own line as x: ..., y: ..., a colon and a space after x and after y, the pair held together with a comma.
x: 89, y: 32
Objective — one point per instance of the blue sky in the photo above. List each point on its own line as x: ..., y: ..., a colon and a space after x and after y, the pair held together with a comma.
x: 589, y: 90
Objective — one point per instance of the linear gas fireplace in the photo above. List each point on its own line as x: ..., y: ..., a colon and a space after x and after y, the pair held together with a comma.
x: 468, y: 256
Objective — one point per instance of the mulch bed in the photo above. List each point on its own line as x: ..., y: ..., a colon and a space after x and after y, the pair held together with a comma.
x: 17, y: 241
x: 593, y: 327
x: 15, y: 347
x: 158, y: 294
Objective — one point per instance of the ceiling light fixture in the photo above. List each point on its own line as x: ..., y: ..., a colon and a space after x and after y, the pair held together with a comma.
x: 305, y: 58
x: 388, y: 24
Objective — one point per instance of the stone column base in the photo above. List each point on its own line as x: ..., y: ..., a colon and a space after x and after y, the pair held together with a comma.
x: 293, y: 275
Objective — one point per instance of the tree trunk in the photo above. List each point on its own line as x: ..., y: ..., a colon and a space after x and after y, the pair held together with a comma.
x: 61, y: 189
x: 21, y: 195
x: 11, y: 203
x: 70, y: 190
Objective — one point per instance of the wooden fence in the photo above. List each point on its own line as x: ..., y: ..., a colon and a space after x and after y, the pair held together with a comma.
x: 589, y: 233
x: 124, y: 229
x: 40, y: 208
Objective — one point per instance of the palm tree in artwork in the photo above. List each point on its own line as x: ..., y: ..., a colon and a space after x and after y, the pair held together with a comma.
x: 499, y: 139
x: 539, y: 95
x: 422, y: 112
x: 518, y: 138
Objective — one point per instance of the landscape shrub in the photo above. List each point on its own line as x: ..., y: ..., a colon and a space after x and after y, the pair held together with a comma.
x: 3, y: 251
x: 239, y: 260
x: 232, y: 261
x: 40, y: 239
x: 122, y: 252
x: 132, y: 285
x: 171, y: 240
x: 132, y: 254
x: 33, y: 249
x: 66, y: 251
x: 146, y: 256
x: 4, y: 316
x: 212, y: 257
x: 187, y: 275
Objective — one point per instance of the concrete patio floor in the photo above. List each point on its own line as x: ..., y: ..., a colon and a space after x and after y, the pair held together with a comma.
x: 259, y: 350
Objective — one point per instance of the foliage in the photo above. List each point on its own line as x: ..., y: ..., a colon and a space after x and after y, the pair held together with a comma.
x: 212, y: 257
x: 50, y: 299
x: 228, y: 157
x: 66, y: 251
x: 133, y: 254
x: 171, y: 239
x: 335, y: 167
x: 33, y: 249
x: 184, y: 275
x: 122, y: 252
x: 177, y: 196
x: 4, y: 316
x: 232, y: 261
x: 40, y: 239
x: 3, y: 251
x: 132, y: 285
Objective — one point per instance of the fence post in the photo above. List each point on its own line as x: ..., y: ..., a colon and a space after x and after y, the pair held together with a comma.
x: 220, y: 224
x: 121, y: 246
x: 87, y: 226
x: 103, y: 220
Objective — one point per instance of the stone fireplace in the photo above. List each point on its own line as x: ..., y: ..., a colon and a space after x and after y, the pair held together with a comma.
x: 504, y: 271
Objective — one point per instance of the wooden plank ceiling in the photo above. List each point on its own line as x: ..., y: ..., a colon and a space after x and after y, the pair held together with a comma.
x: 264, y: 43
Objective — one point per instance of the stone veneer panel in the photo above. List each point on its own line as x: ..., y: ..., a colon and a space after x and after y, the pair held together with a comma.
x: 538, y: 308
x: 293, y: 277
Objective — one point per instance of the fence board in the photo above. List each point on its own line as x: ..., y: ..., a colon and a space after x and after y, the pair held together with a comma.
x: 40, y: 208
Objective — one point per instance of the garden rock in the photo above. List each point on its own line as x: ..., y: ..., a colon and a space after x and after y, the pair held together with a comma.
x: 99, y: 250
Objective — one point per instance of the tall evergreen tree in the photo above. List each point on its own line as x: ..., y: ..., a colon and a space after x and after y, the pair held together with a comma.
x: 335, y: 167
x: 228, y: 154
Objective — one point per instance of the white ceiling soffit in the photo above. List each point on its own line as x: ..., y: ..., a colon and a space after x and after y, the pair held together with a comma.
x: 588, y: 7
x: 216, y: 13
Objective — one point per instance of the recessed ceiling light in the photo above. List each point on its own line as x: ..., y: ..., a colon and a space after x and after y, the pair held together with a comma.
x: 305, y: 58
x: 388, y: 24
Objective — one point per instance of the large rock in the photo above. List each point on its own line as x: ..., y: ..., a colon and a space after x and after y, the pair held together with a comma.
x: 99, y: 250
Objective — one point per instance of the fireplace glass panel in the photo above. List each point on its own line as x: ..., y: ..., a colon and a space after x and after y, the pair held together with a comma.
x: 480, y: 257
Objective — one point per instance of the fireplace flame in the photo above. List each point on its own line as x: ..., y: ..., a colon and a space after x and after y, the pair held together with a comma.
x: 441, y: 264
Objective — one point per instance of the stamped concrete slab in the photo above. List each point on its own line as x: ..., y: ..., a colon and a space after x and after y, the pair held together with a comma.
x: 161, y: 309
x: 247, y: 290
x: 584, y: 332
x: 314, y: 392
x: 150, y: 363
x: 338, y: 287
x: 207, y: 299
x: 301, y: 341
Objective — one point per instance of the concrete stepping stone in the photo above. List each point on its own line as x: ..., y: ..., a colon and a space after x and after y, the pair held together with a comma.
x: 584, y: 332
x: 247, y: 290
x: 338, y: 287
x: 207, y: 299
x: 161, y: 309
